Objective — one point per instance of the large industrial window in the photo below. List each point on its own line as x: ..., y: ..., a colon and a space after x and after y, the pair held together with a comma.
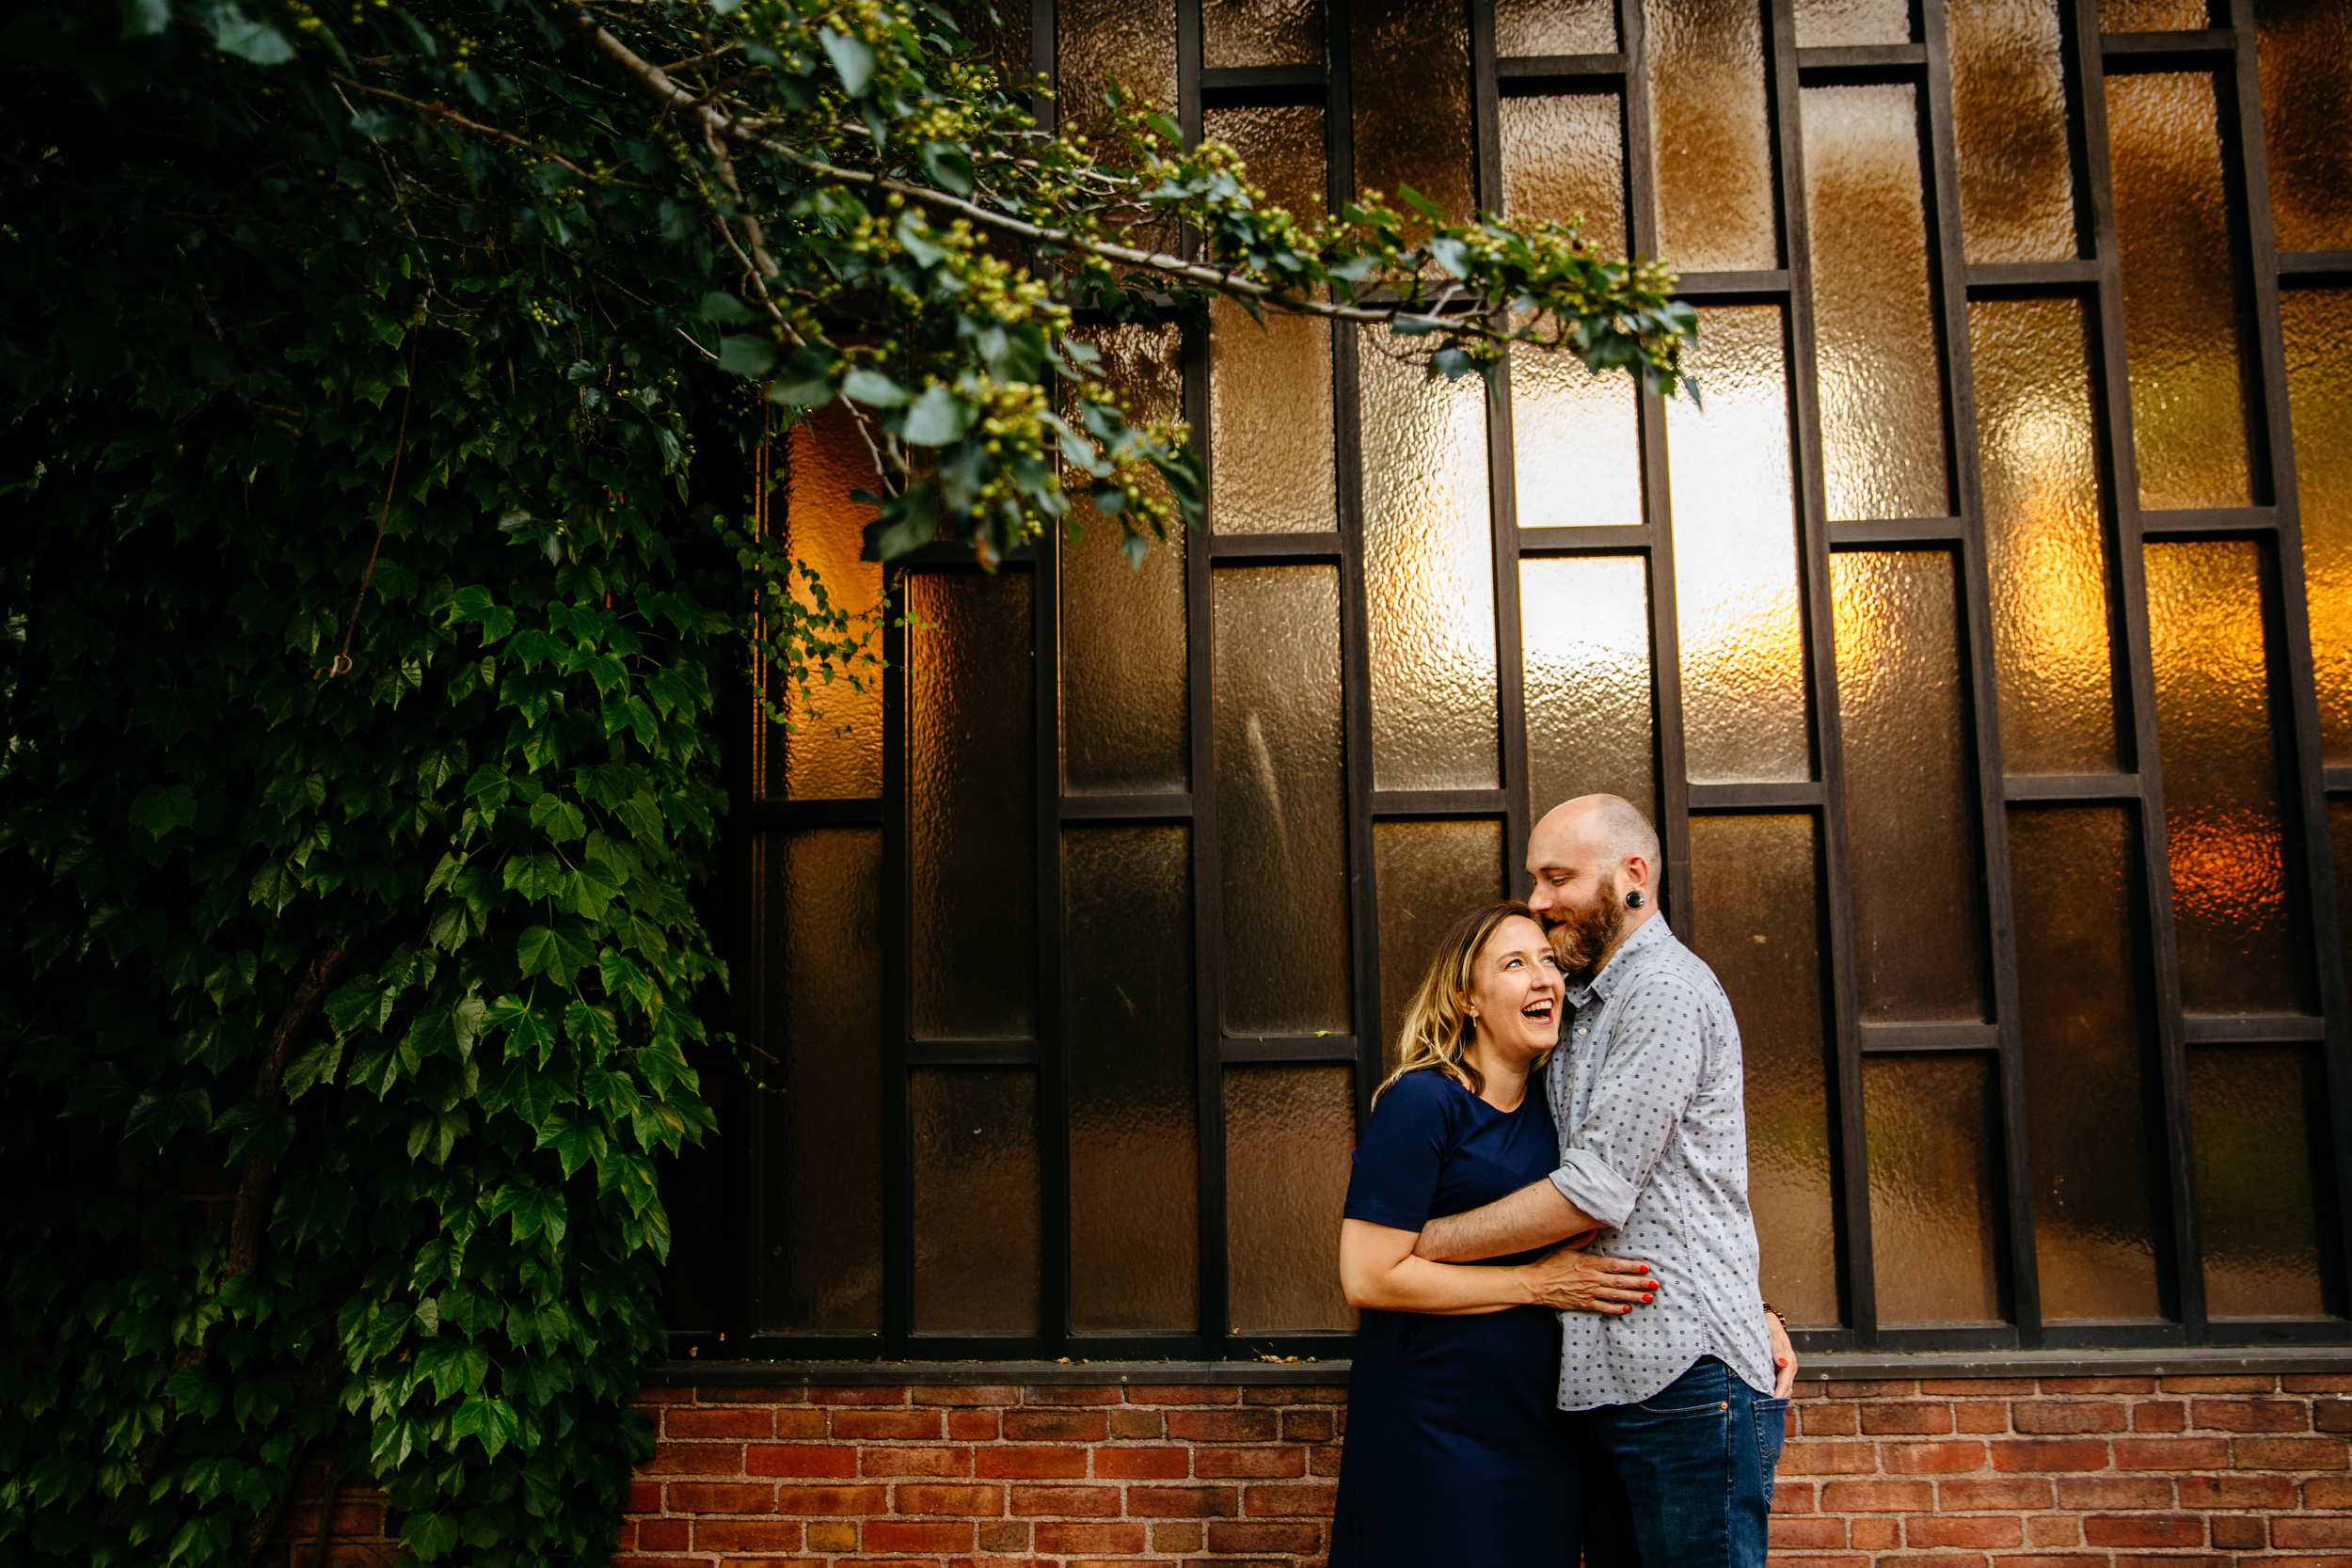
x: 1983, y: 646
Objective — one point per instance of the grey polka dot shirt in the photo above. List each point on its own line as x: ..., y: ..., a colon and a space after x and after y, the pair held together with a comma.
x: 1648, y: 1096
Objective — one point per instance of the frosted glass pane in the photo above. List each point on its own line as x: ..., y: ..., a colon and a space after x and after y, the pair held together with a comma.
x: 2152, y: 16
x: 1431, y: 874
x: 971, y: 823
x: 1124, y: 699
x: 1735, y: 531
x: 1282, y: 146
x: 2044, y: 539
x: 837, y: 753
x: 2306, y: 48
x: 1554, y: 27
x: 1288, y: 1132
x: 2089, y: 1083
x: 1910, y: 803
x: 2189, y: 416
x: 1933, y: 1141
x: 977, y: 1196
x: 1135, y: 1237
x: 1575, y: 436
x: 2318, y: 325
x: 1260, y: 32
x: 1135, y: 44
x: 1713, y: 152
x: 2215, y: 719
x: 1269, y: 423
x: 1584, y: 646
x: 1758, y: 925
x: 1564, y: 157
x: 1882, y: 400
x: 1428, y: 578
x: 2009, y: 124
x: 1830, y: 23
x: 2253, y: 1113
x: 821, y: 1257
x: 1280, y: 811
x: 1410, y: 65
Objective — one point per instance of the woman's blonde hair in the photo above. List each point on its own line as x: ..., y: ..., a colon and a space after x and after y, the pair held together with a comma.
x: 1438, y: 1028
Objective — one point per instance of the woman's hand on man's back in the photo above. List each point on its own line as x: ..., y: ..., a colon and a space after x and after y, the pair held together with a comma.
x: 1574, y: 1281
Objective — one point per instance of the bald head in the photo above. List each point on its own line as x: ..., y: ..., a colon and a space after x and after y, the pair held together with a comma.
x: 1609, y: 826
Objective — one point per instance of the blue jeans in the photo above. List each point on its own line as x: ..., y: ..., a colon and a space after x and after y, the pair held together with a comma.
x: 1682, y: 1479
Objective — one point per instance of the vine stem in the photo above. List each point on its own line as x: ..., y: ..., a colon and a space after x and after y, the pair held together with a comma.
x: 341, y: 663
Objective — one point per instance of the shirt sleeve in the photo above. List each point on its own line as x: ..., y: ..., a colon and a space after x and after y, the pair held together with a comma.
x: 1395, y: 1180
x: 1646, y: 1083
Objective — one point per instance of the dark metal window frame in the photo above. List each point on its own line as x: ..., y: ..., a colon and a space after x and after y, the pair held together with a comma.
x: 2228, y: 52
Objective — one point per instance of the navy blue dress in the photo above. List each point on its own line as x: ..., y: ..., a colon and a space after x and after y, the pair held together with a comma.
x: 1454, y: 1452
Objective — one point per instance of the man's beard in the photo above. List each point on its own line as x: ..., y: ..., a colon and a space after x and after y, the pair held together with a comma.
x: 1582, y: 938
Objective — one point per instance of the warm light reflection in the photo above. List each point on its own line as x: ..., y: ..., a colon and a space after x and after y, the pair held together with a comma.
x: 1713, y: 150
x: 2220, y: 776
x: 2318, y: 325
x: 1882, y: 404
x: 1428, y: 578
x: 1736, y: 557
x: 1270, y: 449
x: 836, y: 754
x: 1585, y: 651
x: 2039, y: 457
x: 2180, y: 284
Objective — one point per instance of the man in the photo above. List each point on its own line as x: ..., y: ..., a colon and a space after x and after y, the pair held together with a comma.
x: 1669, y: 1403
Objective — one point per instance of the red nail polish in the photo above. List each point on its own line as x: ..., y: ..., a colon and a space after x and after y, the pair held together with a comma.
x: 1648, y: 1298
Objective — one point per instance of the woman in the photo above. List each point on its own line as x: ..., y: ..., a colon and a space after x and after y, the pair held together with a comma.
x: 1454, y: 1452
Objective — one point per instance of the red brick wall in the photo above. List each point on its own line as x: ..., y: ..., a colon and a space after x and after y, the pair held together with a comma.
x: 1974, y: 1473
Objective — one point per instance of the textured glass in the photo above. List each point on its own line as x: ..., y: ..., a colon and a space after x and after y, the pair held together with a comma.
x: 1001, y: 32
x: 1288, y: 1132
x: 1428, y: 576
x: 1735, y: 529
x: 836, y: 754
x: 2318, y: 325
x: 1282, y: 146
x: 2305, y: 51
x: 1260, y: 32
x: 1124, y: 721
x: 1101, y: 38
x: 971, y: 764
x: 2180, y: 291
x: 1564, y: 157
x: 2222, y: 822
x: 1584, y: 646
x: 1713, y: 152
x: 2089, y: 1085
x: 1281, y: 815
x: 1431, y: 874
x: 1910, y: 802
x: 1409, y: 62
x: 1832, y: 24
x: 1933, y: 1146
x: 821, y: 1257
x: 2009, y: 122
x: 2152, y: 16
x: 1554, y: 27
x: 1270, y: 449
x: 2044, y: 543
x: 1882, y: 400
x: 1575, y: 436
x: 2259, y: 1169
x: 1758, y: 925
x: 977, y: 1197
x: 1135, y: 1238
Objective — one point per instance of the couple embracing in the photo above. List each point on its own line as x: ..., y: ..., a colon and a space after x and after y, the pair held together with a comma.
x: 1563, y: 1345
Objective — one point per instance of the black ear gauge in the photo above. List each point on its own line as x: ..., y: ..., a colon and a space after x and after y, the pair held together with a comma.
x: 1634, y: 900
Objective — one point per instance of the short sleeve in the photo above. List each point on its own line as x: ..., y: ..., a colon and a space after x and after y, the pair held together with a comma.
x: 1403, y: 1147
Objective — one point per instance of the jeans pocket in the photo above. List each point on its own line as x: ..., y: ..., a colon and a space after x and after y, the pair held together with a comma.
x: 1771, y: 1431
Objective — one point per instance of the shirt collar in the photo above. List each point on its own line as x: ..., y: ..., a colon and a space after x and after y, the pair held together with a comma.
x: 1651, y: 932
